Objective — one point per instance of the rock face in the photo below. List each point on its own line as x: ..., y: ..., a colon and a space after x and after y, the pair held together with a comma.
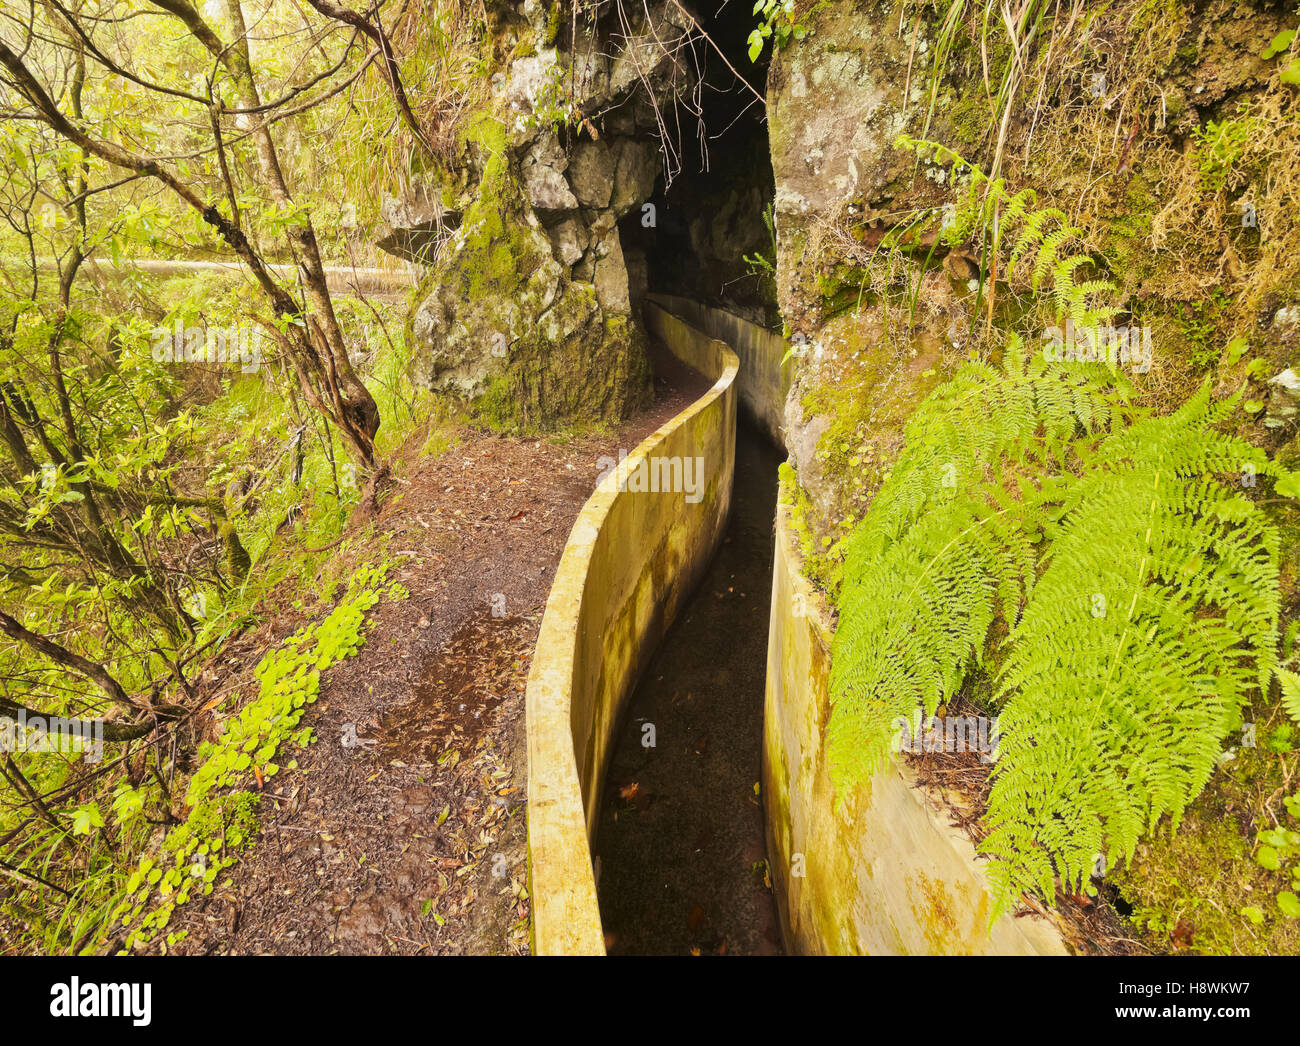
x: 411, y: 224
x: 835, y: 107
x: 527, y: 313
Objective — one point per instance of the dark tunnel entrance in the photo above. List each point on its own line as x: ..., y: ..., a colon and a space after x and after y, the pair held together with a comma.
x: 712, y: 238
x: 680, y: 851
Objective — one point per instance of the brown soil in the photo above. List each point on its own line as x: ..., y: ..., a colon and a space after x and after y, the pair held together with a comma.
x: 412, y: 839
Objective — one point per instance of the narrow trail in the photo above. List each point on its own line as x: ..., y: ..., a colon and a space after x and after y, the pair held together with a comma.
x: 680, y: 843
x: 412, y: 840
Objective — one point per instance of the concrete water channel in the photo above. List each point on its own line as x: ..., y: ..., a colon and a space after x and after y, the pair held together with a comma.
x: 680, y: 855
x: 690, y: 623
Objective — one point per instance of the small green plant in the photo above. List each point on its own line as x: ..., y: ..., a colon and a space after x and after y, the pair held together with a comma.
x: 1280, y: 46
x: 1278, y: 850
x: 1218, y: 148
x: 759, y: 264
x: 778, y: 23
x: 223, y: 809
x: 1042, y: 241
x: 551, y: 105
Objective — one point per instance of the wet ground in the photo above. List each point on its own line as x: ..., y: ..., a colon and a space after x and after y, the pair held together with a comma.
x: 681, y: 861
x: 411, y: 838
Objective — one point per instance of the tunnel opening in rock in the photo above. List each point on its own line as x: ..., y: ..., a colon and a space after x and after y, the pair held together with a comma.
x: 680, y: 851
x: 706, y: 232
x: 622, y: 151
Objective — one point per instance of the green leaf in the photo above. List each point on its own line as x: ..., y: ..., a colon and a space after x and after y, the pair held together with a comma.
x: 1289, y: 904
x: 1279, y: 43
x: 1290, y: 692
x: 1267, y: 857
x: 1288, y: 485
x: 85, y: 819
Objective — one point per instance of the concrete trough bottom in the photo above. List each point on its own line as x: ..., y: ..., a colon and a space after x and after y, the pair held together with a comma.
x: 631, y: 561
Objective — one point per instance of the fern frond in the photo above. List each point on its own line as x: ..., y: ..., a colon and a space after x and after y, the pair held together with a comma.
x: 1290, y: 683
x: 1139, y: 589
x: 1033, y: 231
x: 1048, y: 251
x: 947, y: 546
x: 1155, y: 618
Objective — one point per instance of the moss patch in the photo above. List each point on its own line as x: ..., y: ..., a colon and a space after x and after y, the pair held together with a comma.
x: 1193, y: 886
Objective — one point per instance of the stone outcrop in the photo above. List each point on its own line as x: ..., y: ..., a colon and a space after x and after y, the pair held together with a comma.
x: 412, y: 223
x: 527, y: 313
x: 836, y: 105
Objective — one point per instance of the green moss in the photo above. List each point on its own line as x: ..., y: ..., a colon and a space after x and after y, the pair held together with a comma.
x: 496, y: 406
x: 841, y: 288
x: 820, y: 565
x: 859, y: 441
x: 1202, y: 327
x: 1189, y: 884
x: 553, y: 23
x: 549, y: 385
x: 562, y: 370
x: 969, y: 114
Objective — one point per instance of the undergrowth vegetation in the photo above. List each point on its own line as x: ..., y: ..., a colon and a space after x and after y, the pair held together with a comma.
x: 81, y: 838
x: 1133, y: 591
x: 183, y: 445
x: 221, y: 797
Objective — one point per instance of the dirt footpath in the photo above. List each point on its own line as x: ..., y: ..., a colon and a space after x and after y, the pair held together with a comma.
x: 403, y: 830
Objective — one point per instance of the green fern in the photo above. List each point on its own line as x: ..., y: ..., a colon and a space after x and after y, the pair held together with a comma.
x: 947, y: 545
x: 1005, y: 509
x: 1043, y: 236
x: 1290, y: 683
x: 1033, y: 228
x: 1155, y: 618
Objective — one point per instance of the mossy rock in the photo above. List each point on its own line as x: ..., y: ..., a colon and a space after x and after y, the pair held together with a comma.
x: 505, y: 331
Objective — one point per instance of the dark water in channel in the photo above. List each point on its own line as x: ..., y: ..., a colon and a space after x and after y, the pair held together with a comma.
x: 680, y: 849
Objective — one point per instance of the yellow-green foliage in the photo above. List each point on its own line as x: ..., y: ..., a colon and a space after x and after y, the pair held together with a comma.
x: 222, y: 819
x: 1152, y: 624
x: 1213, y: 887
x: 1043, y: 240
x: 1137, y: 589
x: 947, y: 543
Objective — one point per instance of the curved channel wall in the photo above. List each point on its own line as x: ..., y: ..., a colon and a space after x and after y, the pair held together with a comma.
x: 765, y: 373
x: 879, y: 870
x: 632, y: 559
